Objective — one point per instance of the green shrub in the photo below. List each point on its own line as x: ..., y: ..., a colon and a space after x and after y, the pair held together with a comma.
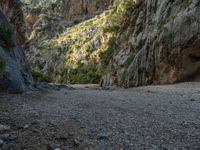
x: 82, y: 74
x: 38, y: 76
x: 7, y: 36
x: 118, y: 14
x: 105, y: 56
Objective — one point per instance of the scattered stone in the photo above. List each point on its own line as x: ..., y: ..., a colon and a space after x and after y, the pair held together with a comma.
x: 82, y: 127
x: 103, y: 136
x: 77, y: 142
x: 35, y: 131
x: 163, y: 148
x: 62, y: 138
x: 8, y: 137
x: 26, y: 126
x: 192, y: 100
x: 71, y: 134
x: 65, y: 148
x: 154, y: 146
x: 1, y: 142
x: 4, y: 137
x: 149, y: 104
x: 12, y: 137
x: 53, y: 147
x: 4, y: 127
x: 106, y: 88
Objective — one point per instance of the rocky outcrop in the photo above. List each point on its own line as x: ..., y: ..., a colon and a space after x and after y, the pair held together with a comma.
x: 55, y: 36
x: 14, y: 73
x: 165, y: 43
x: 71, y: 56
x: 14, y: 15
x: 80, y: 8
x: 68, y: 10
x: 134, y: 43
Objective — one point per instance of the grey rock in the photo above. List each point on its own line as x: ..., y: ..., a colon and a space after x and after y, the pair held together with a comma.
x: 77, y: 142
x: 8, y: 137
x: 12, y: 137
x: 4, y: 127
x: 103, y: 136
x: 15, y: 76
x: 192, y: 99
x: 4, y: 137
x: 26, y: 126
x: 165, y: 45
x: 1, y: 142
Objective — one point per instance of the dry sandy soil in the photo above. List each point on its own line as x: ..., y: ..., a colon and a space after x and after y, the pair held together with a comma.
x: 88, y: 117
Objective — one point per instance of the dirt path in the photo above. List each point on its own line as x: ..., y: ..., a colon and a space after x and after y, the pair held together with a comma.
x: 153, y: 117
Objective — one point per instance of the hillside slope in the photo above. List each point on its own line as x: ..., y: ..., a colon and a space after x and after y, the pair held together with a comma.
x: 134, y: 43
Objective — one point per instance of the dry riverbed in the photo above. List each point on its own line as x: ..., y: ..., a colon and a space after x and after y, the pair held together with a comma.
x: 88, y: 117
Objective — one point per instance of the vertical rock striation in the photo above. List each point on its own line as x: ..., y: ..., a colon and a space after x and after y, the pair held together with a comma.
x: 14, y: 73
x: 166, y: 43
x: 12, y: 11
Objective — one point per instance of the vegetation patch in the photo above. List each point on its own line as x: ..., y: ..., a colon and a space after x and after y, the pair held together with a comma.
x: 84, y: 50
x: 40, y: 77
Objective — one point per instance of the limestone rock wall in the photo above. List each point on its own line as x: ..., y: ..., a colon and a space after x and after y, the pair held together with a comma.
x: 12, y: 11
x: 79, y: 8
x: 14, y: 73
x: 166, y: 43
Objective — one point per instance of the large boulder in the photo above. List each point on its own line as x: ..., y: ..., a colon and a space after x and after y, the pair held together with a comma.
x: 14, y: 73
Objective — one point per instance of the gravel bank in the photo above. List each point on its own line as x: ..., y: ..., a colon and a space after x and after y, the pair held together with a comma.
x: 152, y: 117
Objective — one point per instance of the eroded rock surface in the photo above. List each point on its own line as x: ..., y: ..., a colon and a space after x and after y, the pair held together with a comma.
x: 78, y: 8
x: 166, y: 43
x: 14, y: 73
x: 12, y: 11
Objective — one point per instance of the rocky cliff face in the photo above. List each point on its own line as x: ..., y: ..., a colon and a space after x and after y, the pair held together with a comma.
x: 165, y: 43
x: 134, y: 43
x: 46, y: 49
x: 81, y: 8
x: 68, y: 10
x: 14, y: 74
x: 14, y: 15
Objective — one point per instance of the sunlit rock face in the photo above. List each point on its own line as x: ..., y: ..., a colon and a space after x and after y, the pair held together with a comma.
x: 157, y: 41
x: 166, y: 43
x: 14, y: 72
x: 68, y: 10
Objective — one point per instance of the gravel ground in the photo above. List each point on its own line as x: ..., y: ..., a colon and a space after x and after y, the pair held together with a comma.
x: 87, y: 117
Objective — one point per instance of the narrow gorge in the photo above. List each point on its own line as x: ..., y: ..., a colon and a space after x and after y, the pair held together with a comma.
x: 120, y: 46
x: 99, y: 74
